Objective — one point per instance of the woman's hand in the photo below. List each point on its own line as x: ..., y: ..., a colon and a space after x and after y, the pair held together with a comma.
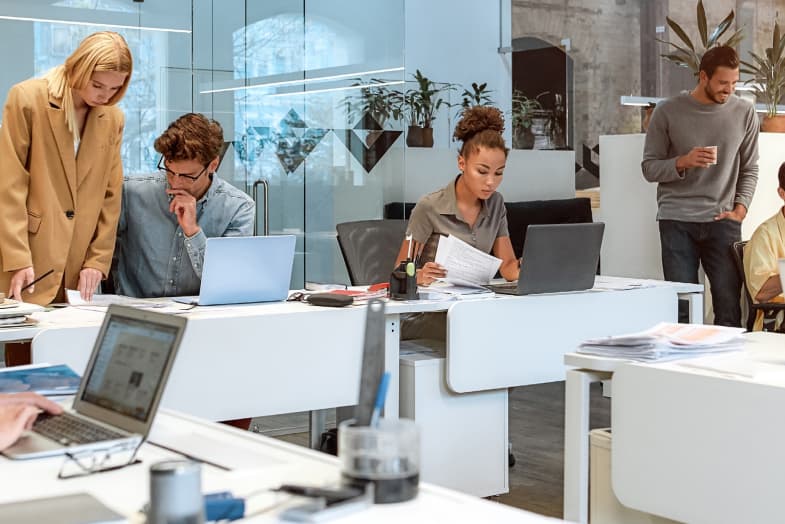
x: 430, y: 272
x: 20, y: 279
x: 89, y: 279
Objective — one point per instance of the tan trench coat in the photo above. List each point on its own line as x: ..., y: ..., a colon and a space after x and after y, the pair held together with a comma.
x: 57, y: 210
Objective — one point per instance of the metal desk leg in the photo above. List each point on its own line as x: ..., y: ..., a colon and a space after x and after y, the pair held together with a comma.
x: 576, y: 442
x: 696, y: 306
x: 317, y: 421
x: 392, y: 343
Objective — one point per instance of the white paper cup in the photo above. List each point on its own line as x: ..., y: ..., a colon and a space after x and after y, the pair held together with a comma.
x: 713, y: 150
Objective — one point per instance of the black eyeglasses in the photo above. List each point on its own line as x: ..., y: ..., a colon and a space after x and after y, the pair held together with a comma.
x: 192, y: 178
x: 88, y: 462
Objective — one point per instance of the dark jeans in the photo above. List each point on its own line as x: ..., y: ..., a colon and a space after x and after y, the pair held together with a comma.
x: 686, y: 244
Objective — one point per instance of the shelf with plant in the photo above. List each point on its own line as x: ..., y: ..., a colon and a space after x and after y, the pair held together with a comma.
x: 421, y: 105
x: 767, y: 80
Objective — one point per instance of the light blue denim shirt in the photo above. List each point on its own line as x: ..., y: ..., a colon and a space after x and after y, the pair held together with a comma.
x: 153, y: 257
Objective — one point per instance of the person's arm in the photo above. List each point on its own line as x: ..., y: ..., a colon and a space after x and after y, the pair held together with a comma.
x: 760, y: 264
x: 420, y: 229
x: 770, y: 289
x: 18, y: 411
x: 656, y: 165
x: 98, y: 258
x: 241, y: 225
x: 511, y: 267
x: 748, y: 164
x: 15, y: 139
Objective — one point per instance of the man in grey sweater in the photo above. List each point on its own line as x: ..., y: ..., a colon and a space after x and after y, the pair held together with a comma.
x: 702, y: 150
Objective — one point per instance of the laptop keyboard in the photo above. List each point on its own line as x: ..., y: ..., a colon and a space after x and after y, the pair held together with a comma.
x: 69, y: 430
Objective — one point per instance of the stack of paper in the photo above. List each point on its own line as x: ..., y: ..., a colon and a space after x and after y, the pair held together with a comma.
x: 667, y: 341
x: 14, y: 314
x: 468, y: 270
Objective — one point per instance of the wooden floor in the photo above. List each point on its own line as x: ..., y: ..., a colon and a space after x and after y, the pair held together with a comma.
x: 536, y: 425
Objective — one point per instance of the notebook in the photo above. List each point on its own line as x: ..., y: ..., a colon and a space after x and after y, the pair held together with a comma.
x: 557, y: 258
x: 240, y: 270
x: 120, y: 389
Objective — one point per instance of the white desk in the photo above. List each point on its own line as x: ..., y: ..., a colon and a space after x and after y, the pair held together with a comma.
x: 703, y: 446
x: 700, y: 444
x: 266, y: 463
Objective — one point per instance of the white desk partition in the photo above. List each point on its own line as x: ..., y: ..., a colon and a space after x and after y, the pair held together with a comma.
x: 700, y: 446
x: 523, y: 339
x: 294, y: 358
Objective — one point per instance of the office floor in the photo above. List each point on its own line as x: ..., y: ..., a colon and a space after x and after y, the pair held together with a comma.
x: 537, y: 433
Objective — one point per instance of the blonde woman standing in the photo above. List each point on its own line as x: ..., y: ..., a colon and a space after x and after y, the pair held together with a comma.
x: 61, y: 173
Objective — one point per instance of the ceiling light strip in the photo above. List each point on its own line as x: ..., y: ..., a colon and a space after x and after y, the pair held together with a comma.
x: 92, y: 24
x: 304, y: 81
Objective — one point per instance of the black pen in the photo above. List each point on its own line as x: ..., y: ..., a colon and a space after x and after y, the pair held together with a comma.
x: 37, y: 279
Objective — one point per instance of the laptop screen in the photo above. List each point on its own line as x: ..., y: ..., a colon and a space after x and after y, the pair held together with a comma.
x: 129, y: 366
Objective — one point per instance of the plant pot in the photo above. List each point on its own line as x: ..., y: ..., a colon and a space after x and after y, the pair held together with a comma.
x: 419, y: 137
x: 773, y: 124
x: 523, y: 138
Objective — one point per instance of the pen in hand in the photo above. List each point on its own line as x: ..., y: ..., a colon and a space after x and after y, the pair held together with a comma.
x: 37, y: 280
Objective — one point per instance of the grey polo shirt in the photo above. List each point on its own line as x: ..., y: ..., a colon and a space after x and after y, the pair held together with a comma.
x: 437, y: 214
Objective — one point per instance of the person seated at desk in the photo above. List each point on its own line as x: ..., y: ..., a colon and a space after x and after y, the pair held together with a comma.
x: 761, y: 254
x: 167, y: 217
x: 18, y: 411
x: 468, y: 207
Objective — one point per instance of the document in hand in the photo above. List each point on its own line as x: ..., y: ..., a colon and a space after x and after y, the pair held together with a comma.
x: 666, y: 341
x: 40, y: 378
x: 465, y: 264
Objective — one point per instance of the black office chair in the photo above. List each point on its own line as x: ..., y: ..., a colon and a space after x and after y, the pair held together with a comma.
x: 369, y: 248
x: 770, y: 309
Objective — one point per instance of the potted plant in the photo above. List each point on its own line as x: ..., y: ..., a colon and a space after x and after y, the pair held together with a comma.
x: 688, y: 54
x: 421, y: 105
x: 479, y: 95
x: 375, y: 101
x: 521, y: 115
x: 768, y: 80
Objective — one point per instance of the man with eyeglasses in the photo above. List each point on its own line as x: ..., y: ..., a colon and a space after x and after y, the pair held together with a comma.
x: 168, y: 216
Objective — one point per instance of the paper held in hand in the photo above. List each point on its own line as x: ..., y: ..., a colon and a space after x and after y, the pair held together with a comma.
x: 465, y: 264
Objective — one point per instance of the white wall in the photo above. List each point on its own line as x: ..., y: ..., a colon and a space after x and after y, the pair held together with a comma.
x: 457, y: 41
x: 631, y: 246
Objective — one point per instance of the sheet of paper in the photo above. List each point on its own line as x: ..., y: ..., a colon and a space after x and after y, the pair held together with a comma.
x: 464, y: 263
x: 101, y: 301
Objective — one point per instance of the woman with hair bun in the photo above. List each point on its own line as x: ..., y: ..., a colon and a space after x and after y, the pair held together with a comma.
x: 468, y: 207
x: 61, y: 173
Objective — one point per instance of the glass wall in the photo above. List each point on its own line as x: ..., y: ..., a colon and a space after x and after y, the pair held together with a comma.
x: 287, y: 79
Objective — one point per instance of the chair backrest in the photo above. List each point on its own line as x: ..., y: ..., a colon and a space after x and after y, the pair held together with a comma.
x: 369, y: 248
x: 565, y: 211
x: 738, y: 259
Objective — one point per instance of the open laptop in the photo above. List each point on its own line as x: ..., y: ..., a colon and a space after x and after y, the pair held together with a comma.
x: 120, y: 389
x: 239, y: 270
x: 557, y: 258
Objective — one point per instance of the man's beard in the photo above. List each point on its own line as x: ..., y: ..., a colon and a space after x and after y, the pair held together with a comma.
x: 713, y: 96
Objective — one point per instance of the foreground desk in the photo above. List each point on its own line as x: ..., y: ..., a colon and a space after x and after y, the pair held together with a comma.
x: 249, y: 464
x: 678, y: 435
x: 701, y: 441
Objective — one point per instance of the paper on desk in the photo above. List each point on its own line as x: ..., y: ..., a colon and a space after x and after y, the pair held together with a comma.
x: 465, y: 264
x: 101, y: 301
x: 605, y: 283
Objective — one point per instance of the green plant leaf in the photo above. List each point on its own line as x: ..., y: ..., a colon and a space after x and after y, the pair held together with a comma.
x: 702, y: 24
x: 720, y: 30
x: 680, y: 33
x: 734, y: 40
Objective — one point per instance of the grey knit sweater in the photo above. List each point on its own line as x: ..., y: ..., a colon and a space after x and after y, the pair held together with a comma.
x: 699, y: 194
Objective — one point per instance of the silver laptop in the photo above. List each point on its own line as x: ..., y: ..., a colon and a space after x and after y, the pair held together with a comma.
x: 240, y: 270
x: 557, y: 258
x: 120, y: 389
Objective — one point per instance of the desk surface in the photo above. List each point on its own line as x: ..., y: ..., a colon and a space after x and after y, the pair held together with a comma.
x: 701, y: 440
x: 263, y: 463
